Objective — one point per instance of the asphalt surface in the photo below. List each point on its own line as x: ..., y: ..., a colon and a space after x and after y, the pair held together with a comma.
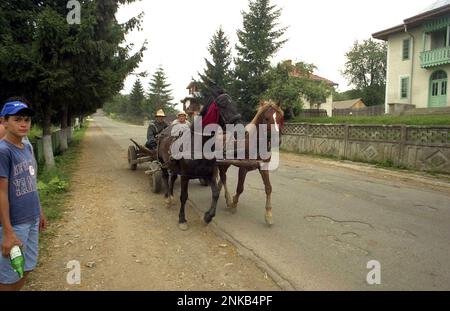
x: 331, y: 219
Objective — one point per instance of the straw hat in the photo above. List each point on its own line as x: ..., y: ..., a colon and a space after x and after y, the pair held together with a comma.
x: 160, y: 113
x: 181, y: 113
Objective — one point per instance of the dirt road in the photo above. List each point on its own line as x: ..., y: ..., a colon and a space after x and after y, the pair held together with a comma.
x: 125, y: 239
x: 331, y: 219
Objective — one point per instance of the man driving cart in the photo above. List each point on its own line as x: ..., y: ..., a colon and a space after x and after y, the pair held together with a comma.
x: 155, y: 128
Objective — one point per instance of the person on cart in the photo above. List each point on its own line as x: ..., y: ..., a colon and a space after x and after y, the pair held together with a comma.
x: 155, y: 128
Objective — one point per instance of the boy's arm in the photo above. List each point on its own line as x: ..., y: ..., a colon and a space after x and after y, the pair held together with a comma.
x: 9, y: 237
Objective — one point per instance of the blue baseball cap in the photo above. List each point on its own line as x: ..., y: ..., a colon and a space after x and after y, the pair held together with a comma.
x: 16, y: 107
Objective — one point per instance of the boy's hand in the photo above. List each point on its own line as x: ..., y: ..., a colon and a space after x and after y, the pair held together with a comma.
x: 42, y: 223
x: 9, y: 241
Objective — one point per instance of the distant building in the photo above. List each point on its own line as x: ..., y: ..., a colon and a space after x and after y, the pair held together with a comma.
x: 327, y: 105
x: 192, y: 104
x: 349, y: 104
x: 418, y: 60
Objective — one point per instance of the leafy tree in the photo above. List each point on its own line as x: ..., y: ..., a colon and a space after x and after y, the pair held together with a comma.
x: 366, y: 70
x: 217, y: 72
x: 159, y: 95
x: 66, y: 70
x: 259, y: 40
x: 291, y: 84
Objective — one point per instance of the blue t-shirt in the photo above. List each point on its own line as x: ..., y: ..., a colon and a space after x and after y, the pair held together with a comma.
x: 17, y: 165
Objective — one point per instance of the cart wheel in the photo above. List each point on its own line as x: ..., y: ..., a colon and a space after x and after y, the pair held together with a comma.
x: 204, y: 182
x: 156, y: 181
x: 132, y: 157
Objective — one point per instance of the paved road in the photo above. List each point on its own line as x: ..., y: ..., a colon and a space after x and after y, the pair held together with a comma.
x: 332, y: 219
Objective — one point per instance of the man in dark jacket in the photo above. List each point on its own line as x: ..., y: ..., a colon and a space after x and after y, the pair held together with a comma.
x: 154, y: 129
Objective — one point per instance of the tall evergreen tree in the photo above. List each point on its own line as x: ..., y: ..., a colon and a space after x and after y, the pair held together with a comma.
x: 159, y: 95
x: 259, y: 40
x: 63, y: 69
x: 135, y: 107
x: 217, y: 72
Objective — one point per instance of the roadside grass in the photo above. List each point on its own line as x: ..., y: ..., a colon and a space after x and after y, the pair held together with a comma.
x: 383, y: 120
x: 54, y: 185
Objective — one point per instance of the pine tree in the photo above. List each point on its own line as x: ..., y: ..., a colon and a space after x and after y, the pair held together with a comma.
x: 217, y: 72
x: 64, y: 70
x: 159, y: 95
x: 259, y: 40
x: 135, y: 105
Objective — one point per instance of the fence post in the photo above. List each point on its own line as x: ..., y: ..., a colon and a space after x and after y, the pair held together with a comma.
x: 402, y: 144
x: 346, y: 136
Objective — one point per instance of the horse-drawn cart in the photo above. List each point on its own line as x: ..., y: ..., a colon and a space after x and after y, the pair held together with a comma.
x: 138, y: 154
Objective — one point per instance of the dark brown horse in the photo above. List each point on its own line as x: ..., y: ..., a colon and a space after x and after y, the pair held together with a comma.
x: 270, y: 114
x: 191, y: 168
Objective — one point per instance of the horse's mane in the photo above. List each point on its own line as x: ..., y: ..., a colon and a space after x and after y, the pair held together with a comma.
x: 264, y: 108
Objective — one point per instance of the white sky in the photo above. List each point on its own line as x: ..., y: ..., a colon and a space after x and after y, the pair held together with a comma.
x: 320, y: 32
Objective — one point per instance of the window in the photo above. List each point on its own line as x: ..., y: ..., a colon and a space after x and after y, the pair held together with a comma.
x: 444, y: 88
x: 404, y: 91
x: 439, y: 39
x: 406, y: 49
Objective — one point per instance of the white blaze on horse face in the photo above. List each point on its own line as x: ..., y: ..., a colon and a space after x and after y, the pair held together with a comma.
x: 277, y: 128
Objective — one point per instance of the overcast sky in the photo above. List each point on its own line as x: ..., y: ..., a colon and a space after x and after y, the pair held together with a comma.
x: 320, y: 32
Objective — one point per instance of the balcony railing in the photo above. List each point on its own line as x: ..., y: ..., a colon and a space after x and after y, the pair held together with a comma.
x: 435, y: 57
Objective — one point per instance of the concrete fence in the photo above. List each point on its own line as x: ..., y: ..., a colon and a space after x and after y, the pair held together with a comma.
x: 424, y: 148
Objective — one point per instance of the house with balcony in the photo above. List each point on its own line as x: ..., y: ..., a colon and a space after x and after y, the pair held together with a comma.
x: 418, y: 62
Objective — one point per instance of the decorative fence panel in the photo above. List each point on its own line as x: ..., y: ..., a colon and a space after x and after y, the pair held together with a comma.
x: 424, y: 148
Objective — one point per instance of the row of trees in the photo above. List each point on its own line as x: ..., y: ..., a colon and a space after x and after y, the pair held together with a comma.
x: 250, y: 77
x: 64, y: 70
x: 139, y: 105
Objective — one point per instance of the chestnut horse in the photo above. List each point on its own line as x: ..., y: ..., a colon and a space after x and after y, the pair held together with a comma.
x: 270, y: 114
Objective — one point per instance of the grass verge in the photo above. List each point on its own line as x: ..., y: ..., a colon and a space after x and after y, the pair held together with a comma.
x: 54, y: 184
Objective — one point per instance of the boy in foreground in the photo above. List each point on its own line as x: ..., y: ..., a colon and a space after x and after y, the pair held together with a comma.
x: 21, y: 216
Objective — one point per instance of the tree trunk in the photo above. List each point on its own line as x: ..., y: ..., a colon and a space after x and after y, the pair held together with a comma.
x: 47, y: 138
x: 63, y: 133
x: 291, y: 112
x: 69, y: 126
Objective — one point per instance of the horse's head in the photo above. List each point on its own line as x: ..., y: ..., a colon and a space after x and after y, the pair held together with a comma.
x: 271, y: 114
x: 221, y: 109
x: 228, y: 113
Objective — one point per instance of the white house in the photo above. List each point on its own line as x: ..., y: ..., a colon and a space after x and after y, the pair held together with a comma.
x: 418, y: 62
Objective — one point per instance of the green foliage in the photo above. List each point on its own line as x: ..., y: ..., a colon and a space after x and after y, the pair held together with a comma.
x: 159, y: 94
x: 135, y: 106
x: 54, y: 183
x: 366, y: 70
x: 259, y: 40
x: 118, y: 105
x: 290, y: 84
x: 217, y: 72
x: 62, y: 67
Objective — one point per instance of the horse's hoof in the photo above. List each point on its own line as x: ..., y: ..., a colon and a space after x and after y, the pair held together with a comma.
x: 169, y: 202
x: 208, y: 218
x: 269, y: 221
x: 183, y: 226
